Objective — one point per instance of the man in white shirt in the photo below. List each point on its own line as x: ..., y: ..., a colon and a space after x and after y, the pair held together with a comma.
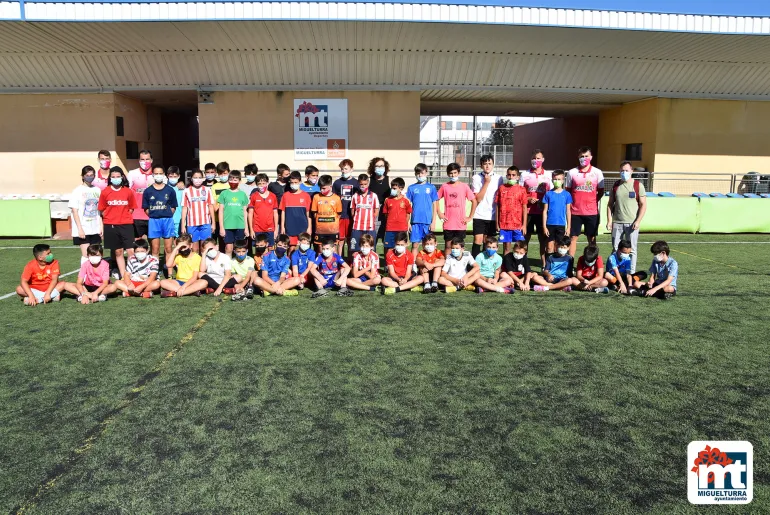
x: 484, y: 186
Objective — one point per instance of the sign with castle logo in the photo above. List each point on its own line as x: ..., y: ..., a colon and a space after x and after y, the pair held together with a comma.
x: 320, y: 128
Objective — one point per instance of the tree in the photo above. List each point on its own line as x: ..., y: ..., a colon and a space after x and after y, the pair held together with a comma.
x: 502, y: 133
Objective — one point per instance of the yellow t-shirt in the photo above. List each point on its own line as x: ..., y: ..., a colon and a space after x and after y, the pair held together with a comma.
x: 187, y: 266
x: 217, y: 188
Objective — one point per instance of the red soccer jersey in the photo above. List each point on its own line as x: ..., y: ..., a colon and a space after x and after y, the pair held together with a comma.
x: 263, y: 211
x: 363, y: 206
x: 589, y: 272
x: 40, y: 278
x: 511, y: 202
x: 198, y: 202
x: 115, y: 206
x: 400, y: 263
x: 398, y: 211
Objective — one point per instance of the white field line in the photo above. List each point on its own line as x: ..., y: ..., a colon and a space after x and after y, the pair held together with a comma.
x: 7, y: 295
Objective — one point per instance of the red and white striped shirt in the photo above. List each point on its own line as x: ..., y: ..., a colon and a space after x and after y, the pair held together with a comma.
x: 363, y: 207
x: 197, y: 201
x: 370, y: 262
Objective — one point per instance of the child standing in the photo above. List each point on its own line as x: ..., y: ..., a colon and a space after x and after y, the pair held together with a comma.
x: 344, y: 188
x: 84, y: 206
x: 366, y: 208
x: 490, y: 264
x: 159, y: 202
x: 511, y: 200
x: 557, y: 273
x: 326, y: 209
x: 141, y: 277
x: 590, y: 271
x: 400, y: 264
x: 396, y: 208
x: 310, y: 186
x: 303, y: 260
x: 663, y: 273
x: 516, y: 265
x: 557, y: 208
x: 93, y: 284
x: 330, y: 270
x: 295, y: 206
x: 366, y: 266
x: 250, y: 172
x: 117, y: 203
x: 263, y: 207
x: 188, y: 265
x: 198, y: 211
x: 178, y: 185
x: 460, y: 270
x: 233, y: 211
x: 40, y: 278
x: 276, y: 265
x: 455, y: 195
x: 424, y: 200
x: 429, y: 262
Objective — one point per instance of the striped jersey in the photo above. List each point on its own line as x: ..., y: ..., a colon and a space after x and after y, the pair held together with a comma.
x: 363, y: 206
x: 369, y: 262
x: 141, y: 270
x: 197, y: 201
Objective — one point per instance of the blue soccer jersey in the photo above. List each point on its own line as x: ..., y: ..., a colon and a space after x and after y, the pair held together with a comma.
x: 302, y: 259
x: 559, y: 267
x: 623, y: 265
x: 275, y: 266
x: 329, y: 269
x: 663, y: 271
x: 422, y: 196
x: 159, y: 201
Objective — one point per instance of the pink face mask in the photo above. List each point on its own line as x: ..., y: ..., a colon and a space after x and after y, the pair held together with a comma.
x: 585, y: 161
x: 537, y: 163
x: 261, y: 189
x: 145, y: 165
x: 326, y: 192
x: 105, y: 164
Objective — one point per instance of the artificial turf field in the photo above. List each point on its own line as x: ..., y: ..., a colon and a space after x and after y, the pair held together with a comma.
x: 538, y: 402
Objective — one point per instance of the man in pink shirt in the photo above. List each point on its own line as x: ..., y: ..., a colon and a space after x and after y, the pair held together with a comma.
x: 586, y: 185
x: 103, y: 172
x: 138, y: 180
x: 537, y: 181
x: 455, y: 195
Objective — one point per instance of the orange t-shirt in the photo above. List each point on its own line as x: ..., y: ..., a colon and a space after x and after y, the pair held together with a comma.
x: 430, y: 258
x: 40, y: 278
x: 327, y: 213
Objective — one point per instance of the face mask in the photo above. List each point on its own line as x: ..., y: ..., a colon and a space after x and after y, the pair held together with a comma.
x: 537, y: 163
x: 116, y: 181
x: 365, y: 251
x: 261, y: 189
x: 453, y: 179
x: 393, y: 192
x: 518, y: 256
x: 510, y: 182
x: 259, y: 250
x: 280, y: 251
x: 145, y: 165
x: 660, y: 257
x: 283, y: 180
x: 422, y: 178
x: 625, y: 256
x: 105, y: 164
x: 212, y: 253
x: 222, y: 178
x: 251, y: 178
x: 326, y: 192
x: 457, y: 253
x: 590, y: 263
x: 557, y: 183
x: 234, y: 184
x: 584, y: 161
x: 400, y: 249
x: 197, y: 182
x: 88, y: 179
x: 185, y: 252
x: 173, y: 181
x: 379, y: 170
x: 490, y: 252
x: 312, y: 180
x: 240, y: 257
x: 345, y: 175
x: 363, y: 189
x: 327, y: 253
x: 141, y: 256
x: 95, y: 260
x: 563, y: 251
x: 158, y: 178
x: 429, y: 248
x: 210, y: 176
x: 626, y: 176
x: 294, y: 187
x: 49, y: 258
x: 304, y: 247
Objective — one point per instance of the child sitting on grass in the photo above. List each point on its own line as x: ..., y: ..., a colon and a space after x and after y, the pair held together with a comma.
x: 460, y: 270
x: 243, y: 269
x: 429, y: 262
x: 366, y: 266
x: 188, y: 265
x: 276, y: 271
x: 93, y: 284
x: 557, y: 274
x: 590, y: 271
x: 303, y: 260
x: 619, y: 274
x: 141, y: 277
x: 400, y: 263
x: 490, y: 264
x: 516, y: 265
x: 663, y: 273
x: 40, y: 278
x: 330, y: 271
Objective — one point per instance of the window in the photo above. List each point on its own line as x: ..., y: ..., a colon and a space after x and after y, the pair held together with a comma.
x: 486, y: 126
x: 464, y: 126
x: 634, y: 152
x: 446, y: 126
x: 119, y: 125
x: 132, y: 150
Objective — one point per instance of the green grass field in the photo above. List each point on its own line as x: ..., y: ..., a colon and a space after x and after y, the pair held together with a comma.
x: 531, y: 403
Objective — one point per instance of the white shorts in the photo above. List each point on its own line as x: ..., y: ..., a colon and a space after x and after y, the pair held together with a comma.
x: 40, y: 294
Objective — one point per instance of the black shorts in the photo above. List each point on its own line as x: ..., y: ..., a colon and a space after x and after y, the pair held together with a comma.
x: 450, y: 235
x: 591, y: 223
x: 141, y: 228
x: 535, y: 224
x: 485, y: 227
x: 211, y: 283
x: 556, y: 232
x: 90, y: 239
x: 119, y: 236
x: 320, y: 239
x: 90, y: 288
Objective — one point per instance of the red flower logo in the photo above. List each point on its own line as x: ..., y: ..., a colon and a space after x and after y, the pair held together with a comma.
x: 306, y: 107
x: 709, y: 456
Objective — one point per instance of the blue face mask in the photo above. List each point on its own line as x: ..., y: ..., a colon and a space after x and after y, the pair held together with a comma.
x: 422, y: 178
x: 116, y: 181
x: 490, y: 252
x: 457, y: 253
x: 240, y: 257
x: 172, y: 181
x: 393, y: 192
x: 280, y: 251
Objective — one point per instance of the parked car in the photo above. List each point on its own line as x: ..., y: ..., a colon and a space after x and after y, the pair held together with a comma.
x: 754, y: 182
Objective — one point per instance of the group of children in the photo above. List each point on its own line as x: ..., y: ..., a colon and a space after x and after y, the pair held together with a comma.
x: 277, y: 238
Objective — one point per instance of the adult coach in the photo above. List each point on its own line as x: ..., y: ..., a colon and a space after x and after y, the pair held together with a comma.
x: 485, y: 185
x: 625, y: 210
x: 537, y: 181
x: 586, y: 185
x: 140, y: 179
x: 379, y: 184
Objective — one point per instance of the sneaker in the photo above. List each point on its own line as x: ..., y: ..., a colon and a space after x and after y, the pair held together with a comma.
x: 290, y: 293
x: 389, y: 291
x: 164, y: 294
x: 667, y: 295
x: 500, y: 290
x: 146, y: 294
x: 450, y: 289
x: 344, y: 292
x: 510, y: 290
x: 209, y: 291
x: 198, y: 293
x: 537, y: 287
x: 237, y: 297
x: 602, y: 290
x: 470, y: 287
x: 228, y: 291
x: 250, y: 293
x: 126, y: 294
x: 426, y: 289
x: 633, y: 291
x: 266, y: 293
x: 480, y: 290
x: 102, y: 298
x: 80, y: 298
x: 567, y: 289
x: 434, y: 288
x: 320, y: 293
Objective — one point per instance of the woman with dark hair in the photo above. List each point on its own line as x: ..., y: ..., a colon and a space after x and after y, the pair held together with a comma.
x: 117, y: 204
x: 84, y: 206
x: 379, y: 184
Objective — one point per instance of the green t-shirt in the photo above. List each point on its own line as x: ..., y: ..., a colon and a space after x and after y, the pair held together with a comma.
x: 242, y: 268
x: 234, y: 202
x: 626, y: 205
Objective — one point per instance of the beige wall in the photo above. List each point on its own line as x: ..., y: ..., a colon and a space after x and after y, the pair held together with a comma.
x: 636, y: 122
x: 141, y: 124
x: 257, y: 127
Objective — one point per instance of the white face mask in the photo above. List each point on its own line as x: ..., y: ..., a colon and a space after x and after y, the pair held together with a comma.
x: 430, y: 248
x: 95, y: 260
x: 294, y: 186
x: 365, y: 250
x: 327, y: 252
x: 159, y: 178
x: 590, y: 263
x: 519, y: 256
x: 141, y: 256
x: 304, y: 247
x: 197, y: 182
x: 212, y: 253
x: 400, y: 249
x: 422, y: 178
x: 626, y: 176
x: 625, y: 256
x: 453, y: 179
x: 345, y: 175
x: 660, y: 258
x: 563, y: 251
